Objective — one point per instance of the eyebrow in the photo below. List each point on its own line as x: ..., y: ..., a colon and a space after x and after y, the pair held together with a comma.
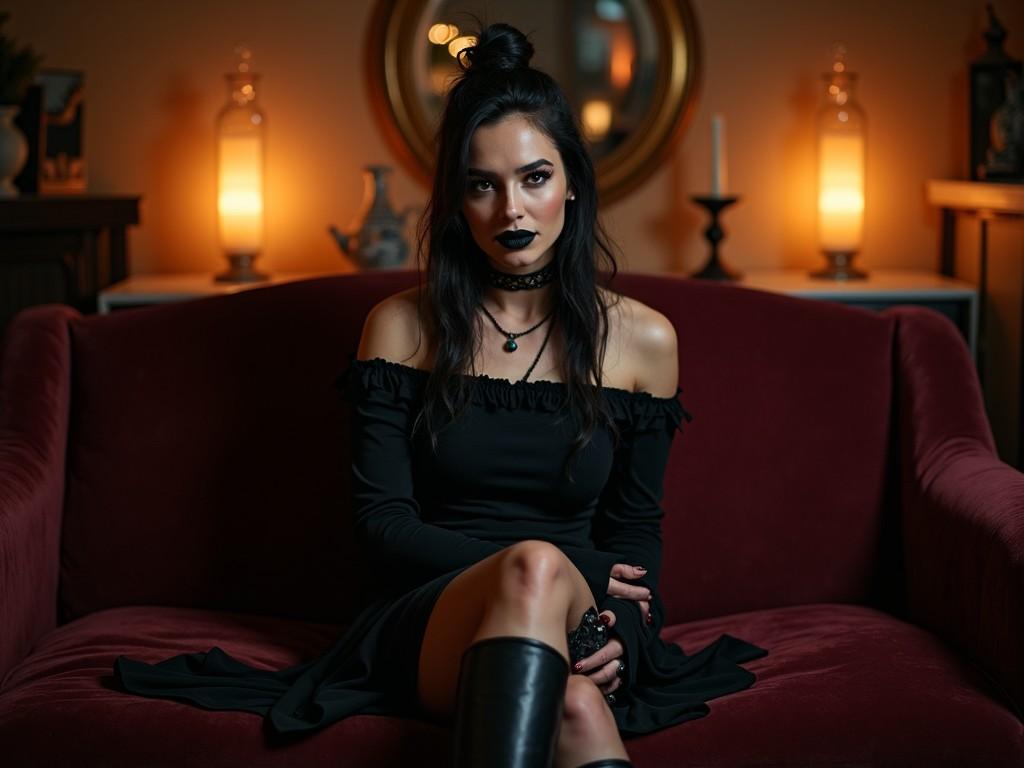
x: 521, y: 169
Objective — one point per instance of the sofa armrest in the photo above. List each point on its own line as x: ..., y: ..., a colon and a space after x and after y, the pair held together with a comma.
x: 963, y: 508
x: 35, y: 386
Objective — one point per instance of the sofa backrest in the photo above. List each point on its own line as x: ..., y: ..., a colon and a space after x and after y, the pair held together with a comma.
x: 208, y: 450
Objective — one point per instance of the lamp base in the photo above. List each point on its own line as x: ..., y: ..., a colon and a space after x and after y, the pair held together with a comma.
x: 840, y: 267
x: 241, y: 270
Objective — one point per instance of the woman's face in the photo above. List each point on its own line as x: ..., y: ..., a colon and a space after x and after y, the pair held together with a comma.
x: 515, y: 194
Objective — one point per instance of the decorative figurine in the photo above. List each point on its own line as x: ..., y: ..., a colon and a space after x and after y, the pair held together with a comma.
x: 991, y: 74
x: 1004, y: 158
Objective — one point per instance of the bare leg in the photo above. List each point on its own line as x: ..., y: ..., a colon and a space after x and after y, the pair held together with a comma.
x: 527, y: 590
x: 588, y: 730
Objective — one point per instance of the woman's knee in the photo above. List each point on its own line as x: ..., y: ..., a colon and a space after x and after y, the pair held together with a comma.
x: 585, y: 706
x: 534, y: 568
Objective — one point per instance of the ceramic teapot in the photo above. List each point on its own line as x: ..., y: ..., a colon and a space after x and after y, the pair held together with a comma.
x: 378, y: 242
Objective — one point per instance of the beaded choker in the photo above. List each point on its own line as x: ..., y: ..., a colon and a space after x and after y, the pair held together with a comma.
x: 509, y: 282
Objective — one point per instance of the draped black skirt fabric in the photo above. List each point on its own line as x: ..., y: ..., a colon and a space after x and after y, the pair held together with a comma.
x: 372, y: 669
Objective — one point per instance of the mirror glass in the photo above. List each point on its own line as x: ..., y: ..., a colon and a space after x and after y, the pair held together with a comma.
x: 628, y: 67
x: 603, y: 53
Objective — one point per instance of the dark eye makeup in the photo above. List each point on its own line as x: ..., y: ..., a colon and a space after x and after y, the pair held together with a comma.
x: 537, y: 178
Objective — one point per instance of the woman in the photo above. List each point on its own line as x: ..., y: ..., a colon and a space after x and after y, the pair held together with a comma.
x: 501, y: 516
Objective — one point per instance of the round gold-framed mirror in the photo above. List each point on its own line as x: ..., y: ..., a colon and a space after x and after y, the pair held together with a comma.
x: 630, y: 68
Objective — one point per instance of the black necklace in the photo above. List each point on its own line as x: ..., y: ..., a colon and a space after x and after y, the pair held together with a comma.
x: 510, y: 282
x: 510, y: 344
x: 540, y: 352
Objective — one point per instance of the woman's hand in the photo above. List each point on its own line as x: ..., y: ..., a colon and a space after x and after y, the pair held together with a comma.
x: 625, y: 591
x: 603, y: 665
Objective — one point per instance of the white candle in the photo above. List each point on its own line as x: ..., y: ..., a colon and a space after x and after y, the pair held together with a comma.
x: 718, y: 170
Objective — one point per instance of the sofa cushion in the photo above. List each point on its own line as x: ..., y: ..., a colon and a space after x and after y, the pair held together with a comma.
x: 843, y: 685
x: 61, y: 706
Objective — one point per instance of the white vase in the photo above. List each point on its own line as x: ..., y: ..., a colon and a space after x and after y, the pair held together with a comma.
x: 13, y: 150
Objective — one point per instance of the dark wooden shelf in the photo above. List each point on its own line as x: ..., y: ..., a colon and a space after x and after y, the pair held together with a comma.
x: 62, y: 249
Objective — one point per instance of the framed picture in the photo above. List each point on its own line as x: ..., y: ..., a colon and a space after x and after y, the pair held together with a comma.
x: 62, y: 162
x: 52, y: 119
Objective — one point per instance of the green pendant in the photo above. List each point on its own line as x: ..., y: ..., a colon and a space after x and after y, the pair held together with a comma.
x: 511, y: 346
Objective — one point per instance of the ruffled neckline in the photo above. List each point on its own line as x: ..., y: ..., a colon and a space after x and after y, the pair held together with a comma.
x: 640, y: 409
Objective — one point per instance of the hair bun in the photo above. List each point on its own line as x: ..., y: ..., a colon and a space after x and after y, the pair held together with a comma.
x: 498, y: 46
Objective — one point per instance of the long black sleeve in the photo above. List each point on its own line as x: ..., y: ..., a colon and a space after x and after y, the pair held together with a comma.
x: 627, y: 527
x: 407, y: 551
x: 629, y: 521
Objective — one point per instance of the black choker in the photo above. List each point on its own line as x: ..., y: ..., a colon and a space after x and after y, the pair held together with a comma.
x: 509, y: 282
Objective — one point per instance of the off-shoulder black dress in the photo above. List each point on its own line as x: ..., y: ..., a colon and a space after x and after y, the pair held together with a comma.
x: 424, y: 517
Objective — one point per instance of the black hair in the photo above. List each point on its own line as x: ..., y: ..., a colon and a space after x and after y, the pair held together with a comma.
x: 496, y: 81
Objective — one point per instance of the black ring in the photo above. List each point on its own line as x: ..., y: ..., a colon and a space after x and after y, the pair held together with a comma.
x: 610, y: 698
x: 621, y: 670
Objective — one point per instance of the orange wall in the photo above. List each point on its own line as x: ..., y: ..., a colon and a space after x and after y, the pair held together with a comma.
x: 154, y: 85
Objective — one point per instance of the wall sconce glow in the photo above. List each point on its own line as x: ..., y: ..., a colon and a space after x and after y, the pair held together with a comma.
x: 459, y: 43
x: 596, y: 116
x: 240, y: 174
x: 623, y: 55
x: 841, y: 135
x: 442, y: 34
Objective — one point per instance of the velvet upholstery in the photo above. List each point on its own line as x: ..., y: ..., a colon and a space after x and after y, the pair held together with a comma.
x: 175, y: 477
x: 848, y: 685
x: 34, y: 398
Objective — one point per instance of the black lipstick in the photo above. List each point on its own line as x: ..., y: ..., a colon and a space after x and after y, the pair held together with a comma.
x: 515, y: 239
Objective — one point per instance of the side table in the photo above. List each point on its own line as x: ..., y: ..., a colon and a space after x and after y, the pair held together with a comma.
x: 165, y: 288
x: 996, y: 213
x: 956, y: 299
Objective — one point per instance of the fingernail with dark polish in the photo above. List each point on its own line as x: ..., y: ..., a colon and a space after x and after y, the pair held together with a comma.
x: 579, y: 666
x: 605, y: 619
x: 650, y: 619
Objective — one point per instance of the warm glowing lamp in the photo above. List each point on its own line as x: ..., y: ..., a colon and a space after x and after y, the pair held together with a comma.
x: 841, y: 141
x: 596, y: 117
x: 241, y: 128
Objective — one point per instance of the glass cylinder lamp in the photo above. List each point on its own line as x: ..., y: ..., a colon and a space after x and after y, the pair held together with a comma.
x: 241, y: 139
x: 841, y: 137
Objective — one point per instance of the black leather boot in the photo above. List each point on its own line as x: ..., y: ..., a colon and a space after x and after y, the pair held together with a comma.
x: 609, y: 763
x: 511, y: 697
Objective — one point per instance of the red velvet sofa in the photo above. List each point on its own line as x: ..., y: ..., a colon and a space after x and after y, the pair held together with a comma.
x: 176, y: 477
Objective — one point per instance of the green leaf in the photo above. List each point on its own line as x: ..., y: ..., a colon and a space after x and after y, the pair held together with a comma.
x: 18, y: 66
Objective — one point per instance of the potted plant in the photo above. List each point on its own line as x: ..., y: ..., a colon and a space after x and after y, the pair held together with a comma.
x: 18, y: 68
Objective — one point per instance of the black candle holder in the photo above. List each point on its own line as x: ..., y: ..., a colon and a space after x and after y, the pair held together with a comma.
x: 715, y: 269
